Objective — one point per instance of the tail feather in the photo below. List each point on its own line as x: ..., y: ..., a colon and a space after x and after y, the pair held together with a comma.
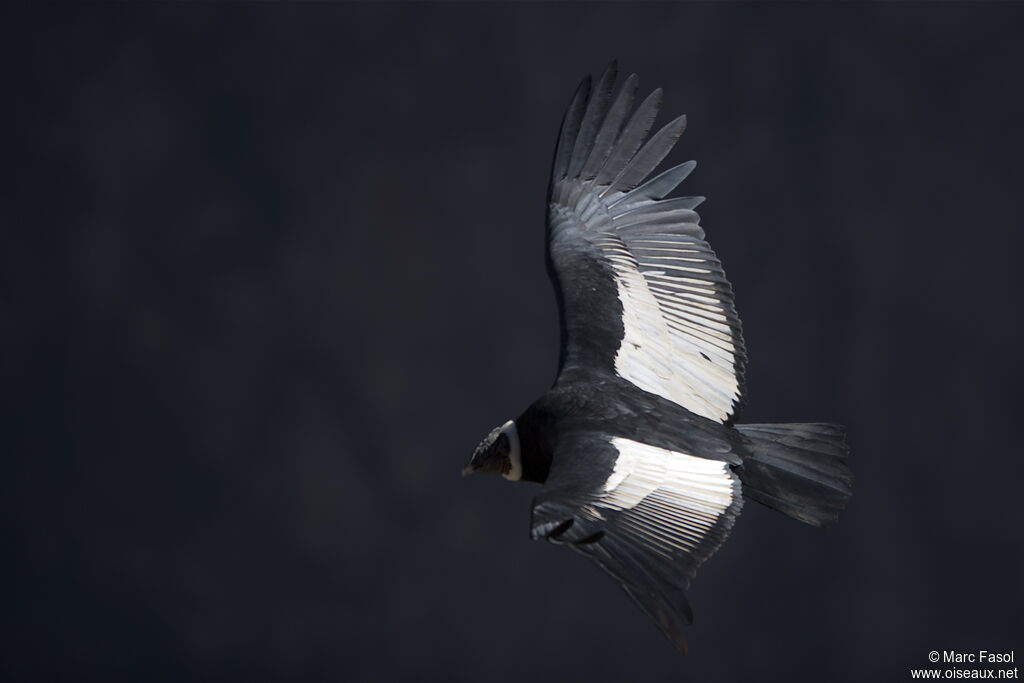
x: 798, y: 469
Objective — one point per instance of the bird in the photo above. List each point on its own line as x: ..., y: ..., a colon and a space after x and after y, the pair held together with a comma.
x: 644, y: 466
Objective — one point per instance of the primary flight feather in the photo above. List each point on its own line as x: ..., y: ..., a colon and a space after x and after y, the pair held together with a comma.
x: 644, y: 469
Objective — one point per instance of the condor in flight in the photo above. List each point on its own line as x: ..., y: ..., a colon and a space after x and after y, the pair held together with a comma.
x: 644, y: 468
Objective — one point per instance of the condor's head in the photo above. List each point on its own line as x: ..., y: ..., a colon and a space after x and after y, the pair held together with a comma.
x: 498, y: 452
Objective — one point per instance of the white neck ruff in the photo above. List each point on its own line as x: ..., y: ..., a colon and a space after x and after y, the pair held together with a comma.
x: 515, y: 456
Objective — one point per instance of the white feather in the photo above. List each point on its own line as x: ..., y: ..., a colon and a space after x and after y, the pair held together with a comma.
x: 687, y: 494
x: 677, y: 342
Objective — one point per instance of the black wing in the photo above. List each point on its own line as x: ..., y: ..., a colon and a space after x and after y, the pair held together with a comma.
x: 640, y: 292
x: 650, y: 524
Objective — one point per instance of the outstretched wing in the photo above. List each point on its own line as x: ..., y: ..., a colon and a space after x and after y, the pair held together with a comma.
x: 650, y: 524
x: 640, y: 292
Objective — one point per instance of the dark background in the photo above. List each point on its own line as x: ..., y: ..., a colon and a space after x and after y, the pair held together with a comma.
x: 270, y: 272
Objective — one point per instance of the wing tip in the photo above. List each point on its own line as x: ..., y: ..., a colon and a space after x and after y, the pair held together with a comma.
x: 569, y: 129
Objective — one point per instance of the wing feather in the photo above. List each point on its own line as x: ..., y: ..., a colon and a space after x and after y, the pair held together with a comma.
x: 597, y: 109
x: 570, y: 129
x: 610, y: 129
x: 619, y: 248
x: 648, y: 158
x: 631, y: 139
x: 655, y: 519
x: 658, y: 187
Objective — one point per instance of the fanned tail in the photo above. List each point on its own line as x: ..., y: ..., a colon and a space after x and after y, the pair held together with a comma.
x: 798, y: 469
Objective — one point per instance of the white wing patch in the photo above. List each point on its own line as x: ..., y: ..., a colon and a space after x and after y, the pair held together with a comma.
x: 677, y: 497
x: 677, y: 342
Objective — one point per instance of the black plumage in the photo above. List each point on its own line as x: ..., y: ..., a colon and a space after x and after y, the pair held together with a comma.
x: 644, y: 470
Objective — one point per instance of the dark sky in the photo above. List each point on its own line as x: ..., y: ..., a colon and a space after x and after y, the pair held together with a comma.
x: 269, y: 272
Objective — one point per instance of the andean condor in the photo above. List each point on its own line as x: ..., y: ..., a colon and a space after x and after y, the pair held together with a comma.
x: 644, y: 468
